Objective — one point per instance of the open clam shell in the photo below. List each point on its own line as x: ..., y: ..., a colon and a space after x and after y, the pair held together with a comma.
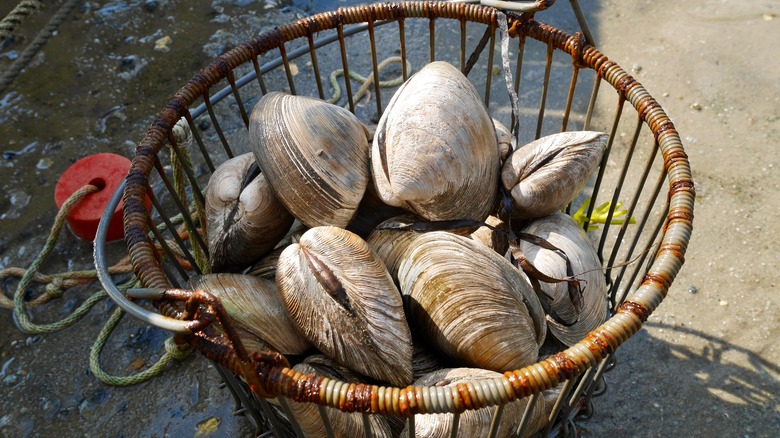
x: 315, y: 155
x: 546, y: 174
x: 563, y: 232
x: 254, y: 306
x: 244, y: 219
x: 471, y: 303
x: 340, y: 296
x: 473, y: 423
x: 435, y: 151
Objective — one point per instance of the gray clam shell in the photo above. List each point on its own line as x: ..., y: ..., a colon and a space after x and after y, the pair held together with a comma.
x: 435, y: 150
x: 562, y: 231
x: 546, y: 174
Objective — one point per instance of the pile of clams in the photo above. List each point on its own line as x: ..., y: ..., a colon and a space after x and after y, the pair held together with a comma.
x: 403, y: 256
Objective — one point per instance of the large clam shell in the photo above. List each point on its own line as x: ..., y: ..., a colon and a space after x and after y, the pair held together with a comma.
x: 315, y: 154
x: 343, y: 424
x: 471, y: 303
x: 546, y: 174
x: 243, y: 221
x: 340, y: 296
x: 389, y: 244
x: 563, y: 232
x: 254, y: 306
x: 474, y: 423
x: 435, y: 150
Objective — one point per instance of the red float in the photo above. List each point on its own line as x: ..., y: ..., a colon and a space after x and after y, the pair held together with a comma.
x: 106, y: 171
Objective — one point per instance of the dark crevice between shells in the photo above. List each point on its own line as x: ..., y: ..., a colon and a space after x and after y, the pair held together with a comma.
x: 251, y: 174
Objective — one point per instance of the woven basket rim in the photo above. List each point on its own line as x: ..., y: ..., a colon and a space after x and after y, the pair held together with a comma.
x: 411, y: 400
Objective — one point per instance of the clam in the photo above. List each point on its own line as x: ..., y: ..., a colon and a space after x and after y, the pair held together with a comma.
x: 493, y: 236
x: 546, y: 174
x: 341, y: 297
x: 254, y: 306
x: 575, y: 315
x: 244, y: 219
x: 473, y: 423
x: 266, y: 267
x: 471, y: 303
x: 315, y: 154
x: 342, y: 424
x: 504, y: 139
x: 435, y: 151
x: 390, y: 243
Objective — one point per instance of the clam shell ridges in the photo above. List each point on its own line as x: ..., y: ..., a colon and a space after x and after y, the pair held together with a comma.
x: 470, y: 302
x: 315, y: 155
x: 360, y: 323
x: 435, y: 150
x: 238, y: 235
x: 563, y: 232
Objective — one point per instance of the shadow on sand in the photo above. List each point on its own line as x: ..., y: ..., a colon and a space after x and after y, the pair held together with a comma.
x: 692, y: 383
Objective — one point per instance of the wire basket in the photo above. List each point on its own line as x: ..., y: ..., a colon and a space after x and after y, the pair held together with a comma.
x: 559, y: 80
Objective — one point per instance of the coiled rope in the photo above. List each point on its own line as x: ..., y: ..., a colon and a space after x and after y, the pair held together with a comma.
x: 366, y: 81
x: 57, y: 284
x: 24, y: 9
x: 32, y: 49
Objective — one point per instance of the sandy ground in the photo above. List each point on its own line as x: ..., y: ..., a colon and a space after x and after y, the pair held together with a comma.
x: 706, y: 364
x: 709, y: 357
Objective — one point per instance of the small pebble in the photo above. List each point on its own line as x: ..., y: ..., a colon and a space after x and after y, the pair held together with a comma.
x: 293, y: 69
x: 44, y: 163
x: 151, y: 5
x: 696, y: 106
x: 162, y: 44
x: 723, y: 303
x: 208, y: 427
x: 636, y: 68
x: 137, y: 364
x: 693, y: 289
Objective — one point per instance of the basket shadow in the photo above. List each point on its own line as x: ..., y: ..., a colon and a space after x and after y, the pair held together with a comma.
x: 695, y: 385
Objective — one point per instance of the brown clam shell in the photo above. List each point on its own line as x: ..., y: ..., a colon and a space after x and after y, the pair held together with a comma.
x: 254, y: 306
x: 241, y: 225
x: 471, y: 303
x: 340, y: 296
x: 315, y: 155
